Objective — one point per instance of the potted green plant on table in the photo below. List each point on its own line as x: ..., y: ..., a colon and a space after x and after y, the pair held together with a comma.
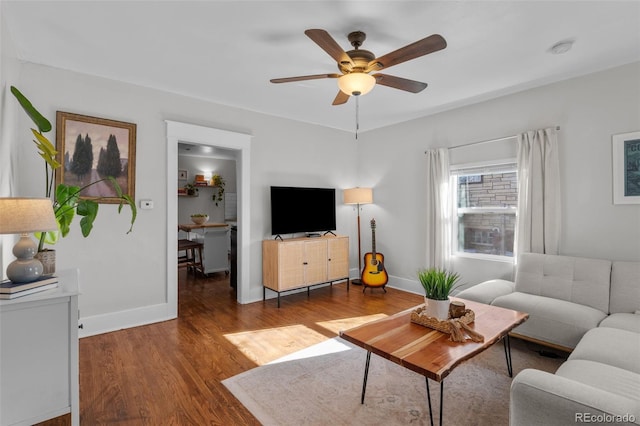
x: 66, y: 200
x: 199, y: 218
x: 437, y: 284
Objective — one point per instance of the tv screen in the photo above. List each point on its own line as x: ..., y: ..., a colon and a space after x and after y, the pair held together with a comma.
x: 296, y: 209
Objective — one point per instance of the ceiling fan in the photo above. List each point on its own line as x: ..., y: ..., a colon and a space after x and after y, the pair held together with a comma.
x: 357, y: 65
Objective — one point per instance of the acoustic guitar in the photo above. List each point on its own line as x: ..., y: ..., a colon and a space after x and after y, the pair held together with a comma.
x: 373, y: 273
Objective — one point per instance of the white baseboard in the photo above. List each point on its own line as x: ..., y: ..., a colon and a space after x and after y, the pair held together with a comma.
x: 113, y: 321
x: 120, y: 320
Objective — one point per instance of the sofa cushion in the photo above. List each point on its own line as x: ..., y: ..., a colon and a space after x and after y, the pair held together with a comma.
x: 602, y: 376
x: 629, y: 322
x: 486, y: 291
x: 574, y: 279
x: 545, y: 399
x: 625, y: 287
x: 611, y: 346
x: 551, y: 320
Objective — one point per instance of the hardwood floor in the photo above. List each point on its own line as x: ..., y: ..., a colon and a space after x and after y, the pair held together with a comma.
x: 170, y: 373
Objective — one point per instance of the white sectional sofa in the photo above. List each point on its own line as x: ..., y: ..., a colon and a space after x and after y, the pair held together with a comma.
x: 590, y: 307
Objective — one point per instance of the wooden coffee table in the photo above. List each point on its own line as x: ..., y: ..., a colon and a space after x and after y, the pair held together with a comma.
x: 430, y: 352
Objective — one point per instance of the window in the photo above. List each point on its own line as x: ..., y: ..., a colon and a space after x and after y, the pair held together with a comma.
x: 485, y: 203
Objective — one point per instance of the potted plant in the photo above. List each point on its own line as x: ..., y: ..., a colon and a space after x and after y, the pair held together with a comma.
x: 218, y: 182
x: 191, y: 189
x: 199, y: 218
x: 437, y: 284
x: 66, y: 199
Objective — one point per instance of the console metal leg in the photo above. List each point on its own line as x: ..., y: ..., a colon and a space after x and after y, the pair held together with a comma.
x: 366, y: 374
x: 507, y: 353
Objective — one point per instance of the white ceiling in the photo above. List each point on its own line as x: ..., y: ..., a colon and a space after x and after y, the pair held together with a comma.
x: 227, y: 51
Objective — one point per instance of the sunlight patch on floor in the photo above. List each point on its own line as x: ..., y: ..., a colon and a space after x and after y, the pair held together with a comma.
x: 346, y: 323
x: 330, y: 346
x: 264, y: 346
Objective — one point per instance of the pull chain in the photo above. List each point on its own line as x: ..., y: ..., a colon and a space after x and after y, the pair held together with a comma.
x: 357, y: 115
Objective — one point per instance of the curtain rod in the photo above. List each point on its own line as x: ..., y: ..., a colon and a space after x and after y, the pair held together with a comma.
x: 486, y: 141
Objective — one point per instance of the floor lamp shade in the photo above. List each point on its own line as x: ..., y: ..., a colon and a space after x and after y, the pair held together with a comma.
x: 24, y: 216
x: 358, y: 196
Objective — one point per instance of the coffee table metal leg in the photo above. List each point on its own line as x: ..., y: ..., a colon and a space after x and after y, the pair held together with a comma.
x: 429, y: 400
x: 441, y: 401
x: 507, y: 354
x: 366, y: 373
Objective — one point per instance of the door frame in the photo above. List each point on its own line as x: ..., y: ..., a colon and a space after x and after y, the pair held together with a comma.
x: 178, y: 132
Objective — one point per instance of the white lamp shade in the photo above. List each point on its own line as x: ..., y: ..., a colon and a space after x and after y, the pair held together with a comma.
x: 25, y: 215
x: 356, y: 83
x: 358, y: 196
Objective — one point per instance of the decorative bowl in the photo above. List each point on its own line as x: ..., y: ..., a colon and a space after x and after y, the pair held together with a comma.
x: 199, y: 220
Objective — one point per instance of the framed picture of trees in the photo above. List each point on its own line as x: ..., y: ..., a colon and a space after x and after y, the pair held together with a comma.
x: 93, y: 149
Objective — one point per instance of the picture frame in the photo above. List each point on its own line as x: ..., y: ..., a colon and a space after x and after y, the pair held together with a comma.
x: 108, y: 139
x: 626, y: 168
x: 183, y: 175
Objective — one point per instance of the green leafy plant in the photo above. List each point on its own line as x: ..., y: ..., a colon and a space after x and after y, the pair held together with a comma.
x: 200, y: 215
x: 66, y: 198
x: 218, y: 182
x: 191, y: 189
x: 437, y: 283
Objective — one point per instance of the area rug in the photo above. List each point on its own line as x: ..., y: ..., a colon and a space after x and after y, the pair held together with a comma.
x: 322, y: 384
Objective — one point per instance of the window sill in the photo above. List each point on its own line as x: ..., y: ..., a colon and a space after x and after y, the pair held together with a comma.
x: 488, y: 257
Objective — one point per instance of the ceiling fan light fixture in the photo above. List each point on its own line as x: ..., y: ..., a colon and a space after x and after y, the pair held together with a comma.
x: 356, y: 83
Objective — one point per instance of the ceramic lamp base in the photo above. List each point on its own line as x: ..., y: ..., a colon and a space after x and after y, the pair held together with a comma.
x: 25, y: 268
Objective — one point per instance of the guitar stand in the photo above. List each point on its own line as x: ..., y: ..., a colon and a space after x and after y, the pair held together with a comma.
x: 373, y: 286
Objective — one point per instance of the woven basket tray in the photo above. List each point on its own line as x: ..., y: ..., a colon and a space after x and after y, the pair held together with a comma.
x: 419, y: 317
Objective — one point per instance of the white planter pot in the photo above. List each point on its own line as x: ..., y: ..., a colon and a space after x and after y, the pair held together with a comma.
x: 437, y: 308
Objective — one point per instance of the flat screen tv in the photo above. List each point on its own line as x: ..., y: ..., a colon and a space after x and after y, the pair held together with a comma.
x: 297, y: 209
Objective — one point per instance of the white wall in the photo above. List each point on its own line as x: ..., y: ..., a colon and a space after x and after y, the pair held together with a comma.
x: 123, y: 275
x: 588, y: 109
x: 203, y: 203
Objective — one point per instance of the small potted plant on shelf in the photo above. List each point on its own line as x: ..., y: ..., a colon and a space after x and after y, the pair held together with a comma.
x: 191, y: 189
x: 218, y: 182
x: 437, y: 284
x: 66, y: 200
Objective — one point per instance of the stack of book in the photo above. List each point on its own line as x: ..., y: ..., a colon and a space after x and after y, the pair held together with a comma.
x: 11, y: 290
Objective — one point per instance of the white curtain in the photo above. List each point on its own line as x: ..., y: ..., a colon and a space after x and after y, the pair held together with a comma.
x: 538, y: 228
x: 438, y: 209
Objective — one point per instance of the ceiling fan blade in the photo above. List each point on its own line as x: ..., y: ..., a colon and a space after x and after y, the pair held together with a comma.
x: 329, y: 45
x: 304, y: 77
x: 341, y: 98
x: 400, y: 83
x: 427, y: 45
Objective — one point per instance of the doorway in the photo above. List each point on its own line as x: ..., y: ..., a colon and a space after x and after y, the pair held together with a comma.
x: 205, y: 136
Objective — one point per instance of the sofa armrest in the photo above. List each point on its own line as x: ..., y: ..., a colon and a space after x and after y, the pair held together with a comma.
x: 487, y: 291
x: 541, y: 398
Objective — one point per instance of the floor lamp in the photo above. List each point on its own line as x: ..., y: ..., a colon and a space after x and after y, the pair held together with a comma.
x: 358, y: 196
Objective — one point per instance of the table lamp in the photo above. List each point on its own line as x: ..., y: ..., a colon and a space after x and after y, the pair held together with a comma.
x: 24, y: 216
x: 358, y: 196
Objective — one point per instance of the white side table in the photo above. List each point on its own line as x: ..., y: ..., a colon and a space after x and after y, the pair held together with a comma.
x: 39, y: 367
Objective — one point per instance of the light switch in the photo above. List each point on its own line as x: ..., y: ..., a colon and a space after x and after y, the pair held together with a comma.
x: 146, y: 204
